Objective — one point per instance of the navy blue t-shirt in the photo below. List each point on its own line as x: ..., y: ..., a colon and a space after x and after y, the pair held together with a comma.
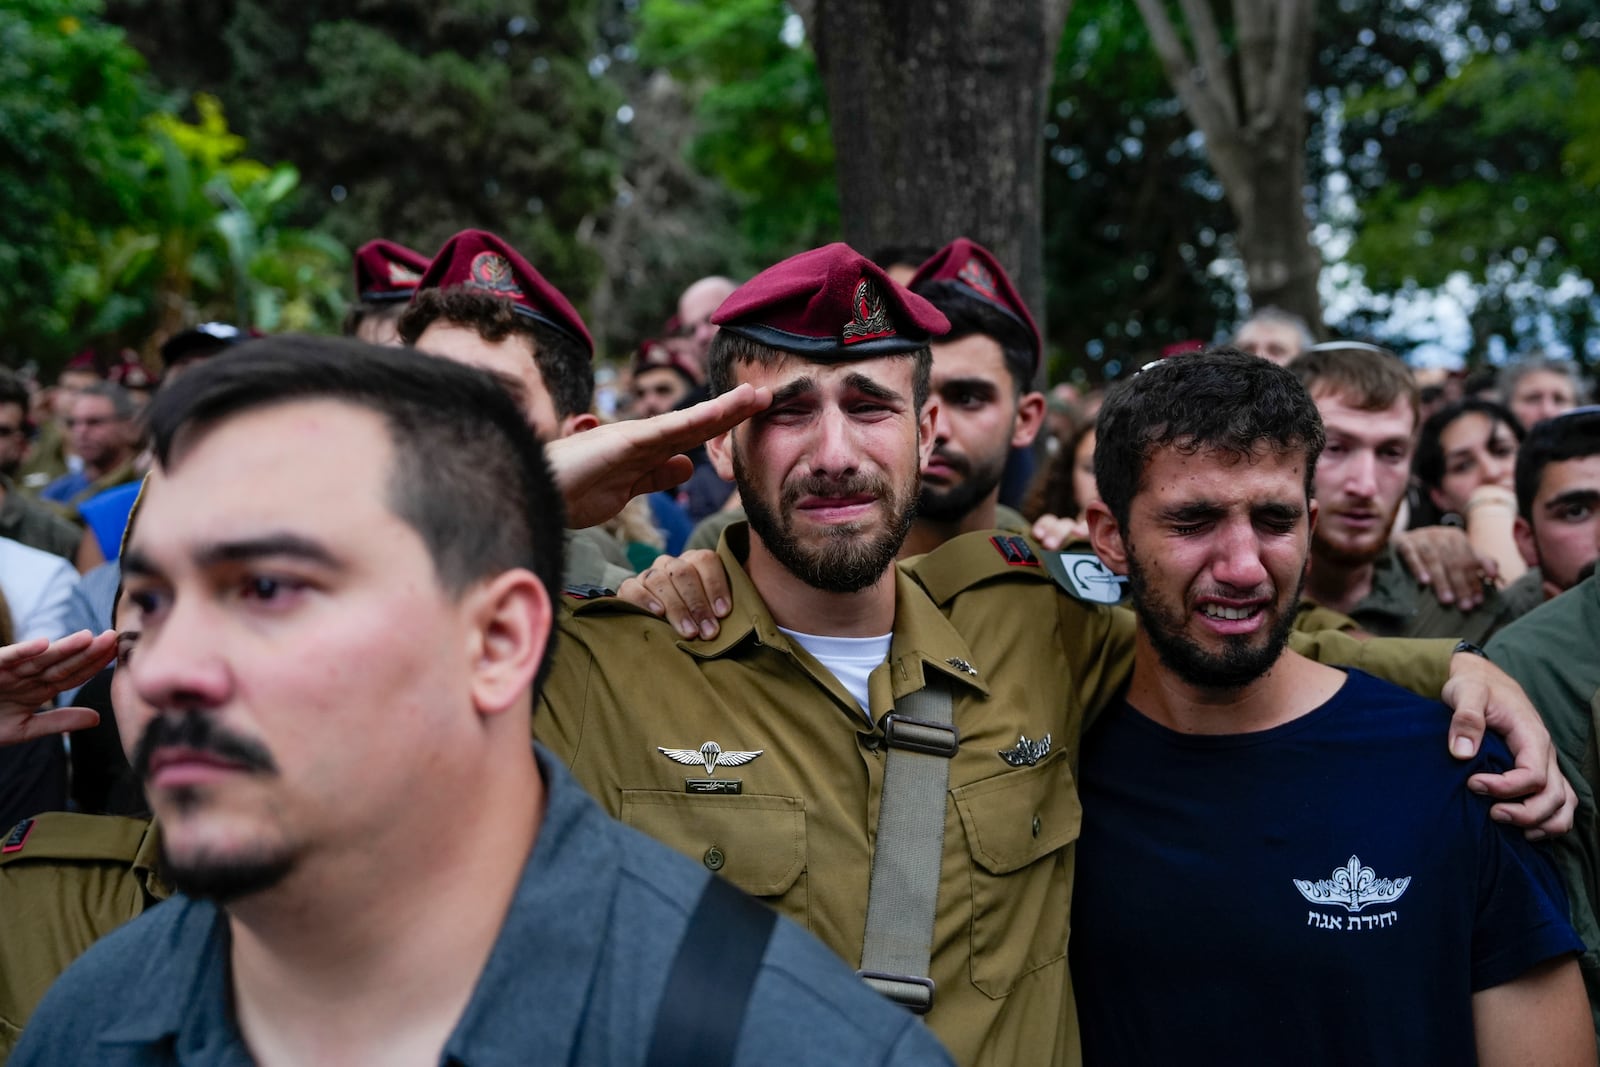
x: 1324, y: 892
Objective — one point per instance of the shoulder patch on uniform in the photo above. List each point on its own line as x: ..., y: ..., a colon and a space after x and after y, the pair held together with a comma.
x: 1083, y: 576
x: 1014, y: 550
x: 18, y: 836
x: 973, y: 559
x: 63, y: 835
x: 588, y: 592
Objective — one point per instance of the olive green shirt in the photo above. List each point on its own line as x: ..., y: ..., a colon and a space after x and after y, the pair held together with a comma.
x: 800, y: 831
x: 595, y: 562
x: 708, y: 531
x: 1400, y: 606
x: 24, y: 519
x: 1554, y: 653
x: 66, y: 881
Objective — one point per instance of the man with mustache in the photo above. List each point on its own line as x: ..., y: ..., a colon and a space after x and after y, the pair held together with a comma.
x: 1279, y: 862
x: 334, y: 677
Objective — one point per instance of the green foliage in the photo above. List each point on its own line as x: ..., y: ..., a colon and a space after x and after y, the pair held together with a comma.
x: 762, y: 113
x: 123, y: 222
x: 72, y: 104
x: 410, y: 119
x: 1476, y: 154
x: 1135, y: 224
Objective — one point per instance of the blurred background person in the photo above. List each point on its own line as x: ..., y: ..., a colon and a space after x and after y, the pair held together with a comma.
x: 1274, y: 334
x: 1466, y: 463
x: 1535, y: 388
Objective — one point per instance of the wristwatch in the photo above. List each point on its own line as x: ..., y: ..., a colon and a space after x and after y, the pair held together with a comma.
x: 1469, y: 648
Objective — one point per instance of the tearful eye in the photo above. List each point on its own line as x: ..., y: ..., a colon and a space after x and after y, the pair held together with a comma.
x: 263, y: 588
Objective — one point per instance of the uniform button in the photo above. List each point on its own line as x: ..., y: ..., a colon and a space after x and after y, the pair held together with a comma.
x: 714, y: 858
x: 1036, y: 826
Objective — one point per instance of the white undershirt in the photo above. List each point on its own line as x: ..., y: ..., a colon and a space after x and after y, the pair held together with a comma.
x: 851, y: 659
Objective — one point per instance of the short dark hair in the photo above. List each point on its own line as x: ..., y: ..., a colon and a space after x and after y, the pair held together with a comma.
x: 729, y: 350
x: 469, y: 476
x: 13, y: 390
x: 1571, y: 435
x: 1428, y: 462
x: 563, y: 362
x: 363, y: 311
x: 968, y: 315
x: 122, y: 402
x: 1366, y: 376
x: 1219, y: 399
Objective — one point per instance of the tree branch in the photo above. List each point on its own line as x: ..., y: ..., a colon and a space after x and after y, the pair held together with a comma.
x: 1208, y: 55
x: 1293, y: 53
x: 1209, y: 115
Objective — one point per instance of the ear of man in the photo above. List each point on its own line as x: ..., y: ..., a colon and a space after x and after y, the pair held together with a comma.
x: 1030, y: 416
x: 1105, y: 537
x: 509, y: 617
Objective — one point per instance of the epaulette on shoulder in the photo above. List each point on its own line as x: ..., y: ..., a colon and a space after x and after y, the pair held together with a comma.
x: 62, y: 835
x: 972, y: 559
x: 587, y: 592
x: 965, y: 561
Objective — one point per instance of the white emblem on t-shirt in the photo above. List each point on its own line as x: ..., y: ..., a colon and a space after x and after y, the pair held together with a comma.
x: 1353, y: 887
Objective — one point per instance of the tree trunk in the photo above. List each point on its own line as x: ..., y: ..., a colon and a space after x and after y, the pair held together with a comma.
x: 1253, y: 116
x: 937, y: 110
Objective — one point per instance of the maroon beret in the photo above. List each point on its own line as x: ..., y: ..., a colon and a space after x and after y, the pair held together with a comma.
x: 973, y: 269
x: 84, y: 360
x: 129, y: 373
x: 478, y: 259
x: 830, y: 302
x: 387, y: 272
x: 652, y: 354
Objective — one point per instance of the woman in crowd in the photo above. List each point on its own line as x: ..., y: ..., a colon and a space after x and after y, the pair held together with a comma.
x: 1466, y: 461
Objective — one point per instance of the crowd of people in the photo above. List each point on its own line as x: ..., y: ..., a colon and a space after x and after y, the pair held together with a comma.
x: 1133, y: 756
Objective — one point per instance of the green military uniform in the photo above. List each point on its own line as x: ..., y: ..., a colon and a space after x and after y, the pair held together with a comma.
x: 800, y: 833
x: 1552, y: 654
x: 65, y: 882
x: 1524, y: 594
x: 47, y: 458
x: 1400, y: 606
x: 1311, y: 617
x: 594, y: 561
x: 708, y: 531
x: 29, y: 522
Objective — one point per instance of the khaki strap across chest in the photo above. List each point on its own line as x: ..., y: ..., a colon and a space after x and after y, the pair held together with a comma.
x: 904, y: 889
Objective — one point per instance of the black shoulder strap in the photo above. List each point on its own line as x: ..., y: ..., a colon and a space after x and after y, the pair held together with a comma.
x: 708, y: 987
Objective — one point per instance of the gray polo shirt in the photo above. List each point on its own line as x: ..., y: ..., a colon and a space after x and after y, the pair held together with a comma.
x: 574, y: 977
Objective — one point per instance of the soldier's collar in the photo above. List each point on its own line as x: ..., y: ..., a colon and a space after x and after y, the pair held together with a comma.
x: 749, y: 617
x: 923, y: 637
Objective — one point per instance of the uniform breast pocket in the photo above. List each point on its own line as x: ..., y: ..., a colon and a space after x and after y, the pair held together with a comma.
x: 757, y: 842
x: 1019, y: 828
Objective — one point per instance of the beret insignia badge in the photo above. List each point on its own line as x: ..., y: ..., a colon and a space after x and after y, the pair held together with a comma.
x: 400, y: 274
x: 977, y: 276
x: 492, y: 271
x: 871, y: 318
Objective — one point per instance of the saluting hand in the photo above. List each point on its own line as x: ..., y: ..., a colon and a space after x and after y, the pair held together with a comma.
x: 601, y: 469
x: 33, y: 672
